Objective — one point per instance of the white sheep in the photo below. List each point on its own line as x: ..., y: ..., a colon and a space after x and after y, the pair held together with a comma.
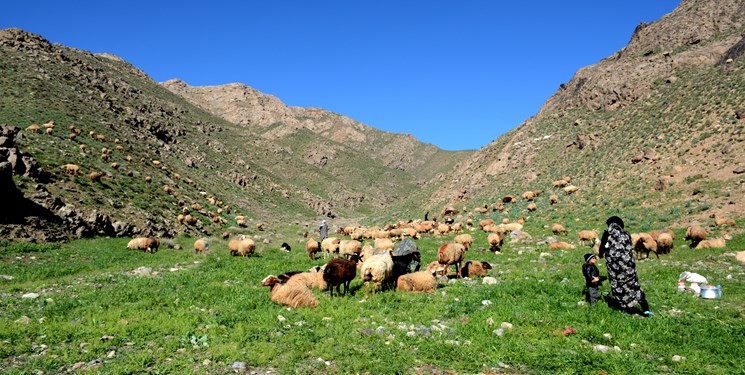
x: 350, y: 248
x: 313, y: 280
x: 464, y: 239
x: 148, y: 244
x: 377, y: 269
x: 422, y: 281
x: 290, y: 294
x: 242, y: 246
x: 330, y: 246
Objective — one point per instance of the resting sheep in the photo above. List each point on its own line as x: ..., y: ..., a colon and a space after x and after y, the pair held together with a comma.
x: 339, y: 272
x: 312, y: 280
x: 422, y: 281
x: 290, y: 294
x: 475, y: 268
x: 561, y: 245
x: 449, y: 254
x: 242, y: 246
x: 377, y: 269
x: 715, y: 243
x: 695, y: 233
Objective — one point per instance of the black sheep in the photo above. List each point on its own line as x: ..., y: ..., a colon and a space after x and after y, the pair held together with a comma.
x: 339, y: 271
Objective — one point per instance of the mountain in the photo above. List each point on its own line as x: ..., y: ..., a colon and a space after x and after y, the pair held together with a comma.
x: 654, y: 131
x: 158, y: 155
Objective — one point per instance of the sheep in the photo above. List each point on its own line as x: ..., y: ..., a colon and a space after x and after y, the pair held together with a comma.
x: 486, y: 222
x: 367, y: 251
x: 451, y: 253
x: 561, y: 245
x: 528, y: 195
x: 350, y: 248
x: 259, y: 227
x: 422, y: 281
x: 311, y: 246
x: 509, y: 199
x: 338, y: 272
x: 201, y: 246
x: 312, y: 280
x: 71, y: 168
x: 716, y: 243
x: 241, y: 246
x: 495, y: 241
x: 724, y: 222
x: 512, y: 227
x: 115, y: 165
x: 436, y: 268
x: 464, y: 239
x: 180, y: 218
x: 558, y: 228
x: 559, y: 183
x: 695, y: 233
x: 150, y: 245
x: 740, y: 256
x: 587, y: 235
x: 553, y: 199
x: 383, y: 244
x: 289, y: 294
x: 148, y: 179
x: 190, y: 220
x: 532, y: 207
x: 330, y: 246
x: 33, y: 128
x: 95, y: 176
x: 664, y: 243
x: 656, y: 233
x: 475, y: 268
x: 377, y: 269
x: 570, y: 189
x: 645, y: 244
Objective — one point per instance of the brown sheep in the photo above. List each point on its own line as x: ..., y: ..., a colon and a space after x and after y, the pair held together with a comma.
x: 561, y: 245
x: 422, y: 281
x: 96, y: 176
x: 695, y: 233
x: 241, y: 246
x: 532, y: 207
x: 716, y: 243
x: 528, y: 195
x: 464, y: 239
x: 495, y: 241
x: 645, y: 244
x: 570, y: 189
x: 290, y: 294
x: 664, y: 243
x: 587, y: 235
x: 475, y: 268
x: 201, y: 246
x: 449, y: 254
x: 33, y: 128
x: 553, y: 199
x: 558, y: 228
x: 71, y: 168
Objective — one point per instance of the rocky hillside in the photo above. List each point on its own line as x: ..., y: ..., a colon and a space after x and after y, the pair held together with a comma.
x: 654, y: 131
x: 145, y: 155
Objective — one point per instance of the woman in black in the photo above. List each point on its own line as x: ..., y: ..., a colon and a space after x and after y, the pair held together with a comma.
x: 616, y: 248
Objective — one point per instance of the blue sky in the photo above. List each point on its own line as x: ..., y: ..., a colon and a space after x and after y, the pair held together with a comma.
x: 455, y: 74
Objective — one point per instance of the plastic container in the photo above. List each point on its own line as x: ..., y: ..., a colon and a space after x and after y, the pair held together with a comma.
x: 681, y: 286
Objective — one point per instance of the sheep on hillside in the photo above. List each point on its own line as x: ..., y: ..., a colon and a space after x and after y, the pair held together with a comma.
x: 570, y: 189
x: 553, y: 199
x: 311, y: 246
x: 495, y: 241
x: 330, y: 246
x: 383, y: 244
x: 350, y: 249
x: 475, y: 268
x: 377, y: 269
x: 148, y: 244
x: 464, y: 239
x: 449, y: 254
x: 422, y: 281
x: 695, y: 233
x: 313, y: 280
x: 338, y: 272
x: 587, y: 235
x: 241, y: 246
x: 561, y: 245
x: 201, y: 246
x: 71, y: 169
x: 559, y: 229
x: 645, y: 244
x: 289, y: 294
x: 528, y: 195
x: 664, y: 243
x: 715, y: 243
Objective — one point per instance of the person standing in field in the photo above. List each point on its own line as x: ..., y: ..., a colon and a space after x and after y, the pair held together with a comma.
x: 616, y: 248
x: 324, y: 229
x: 592, y: 278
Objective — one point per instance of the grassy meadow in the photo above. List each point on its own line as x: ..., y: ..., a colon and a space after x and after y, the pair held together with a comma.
x: 104, y: 309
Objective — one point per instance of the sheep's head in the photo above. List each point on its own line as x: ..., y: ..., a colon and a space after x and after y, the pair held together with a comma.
x: 270, y: 280
x: 486, y: 265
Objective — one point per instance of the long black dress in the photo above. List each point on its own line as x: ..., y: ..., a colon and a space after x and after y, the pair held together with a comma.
x: 616, y: 247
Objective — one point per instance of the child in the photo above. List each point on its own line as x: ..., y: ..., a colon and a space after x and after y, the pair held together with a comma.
x: 592, y: 278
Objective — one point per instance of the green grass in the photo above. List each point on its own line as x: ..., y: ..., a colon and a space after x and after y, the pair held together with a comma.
x: 201, y: 314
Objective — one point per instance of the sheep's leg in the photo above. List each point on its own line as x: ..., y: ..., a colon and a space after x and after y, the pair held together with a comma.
x: 367, y: 284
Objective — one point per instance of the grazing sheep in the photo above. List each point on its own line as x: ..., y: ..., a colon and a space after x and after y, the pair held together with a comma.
x: 377, y: 269
x: 289, y: 294
x: 487, y: 222
x: 95, y: 176
x: 528, y: 195
x: 559, y: 183
x: 350, y: 249
x: 532, y: 207
x: 190, y: 220
x: 71, y: 168
x: 570, y: 189
x: 383, y: 244
x: 475, y: 268
x: 664, y: 243
x: 587, y: 235
x: 259, y: 227
x: 338, y: 272
x: 553, y: 199
x: 201, y: 246
x: 33, y: 128
x: 330, y: 246
x: 724, y: 222
x: 464, y: 239
x: 241, y: 246
x: 645, y: 244
x: 148, y: 179
x: 422, y: 281
x: 367, y: 251
x: 311, y: 246
x: 656, y: 233
x: 695, y: 233
x: 509, y: 199
x: 449, y: 254
x: 180, y: 218
x: 561, y: 245
x: 558, y: 228
x: 715, y: 243
x: 512, y: 227
x: 495, y: 241
x: 150, y: 245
